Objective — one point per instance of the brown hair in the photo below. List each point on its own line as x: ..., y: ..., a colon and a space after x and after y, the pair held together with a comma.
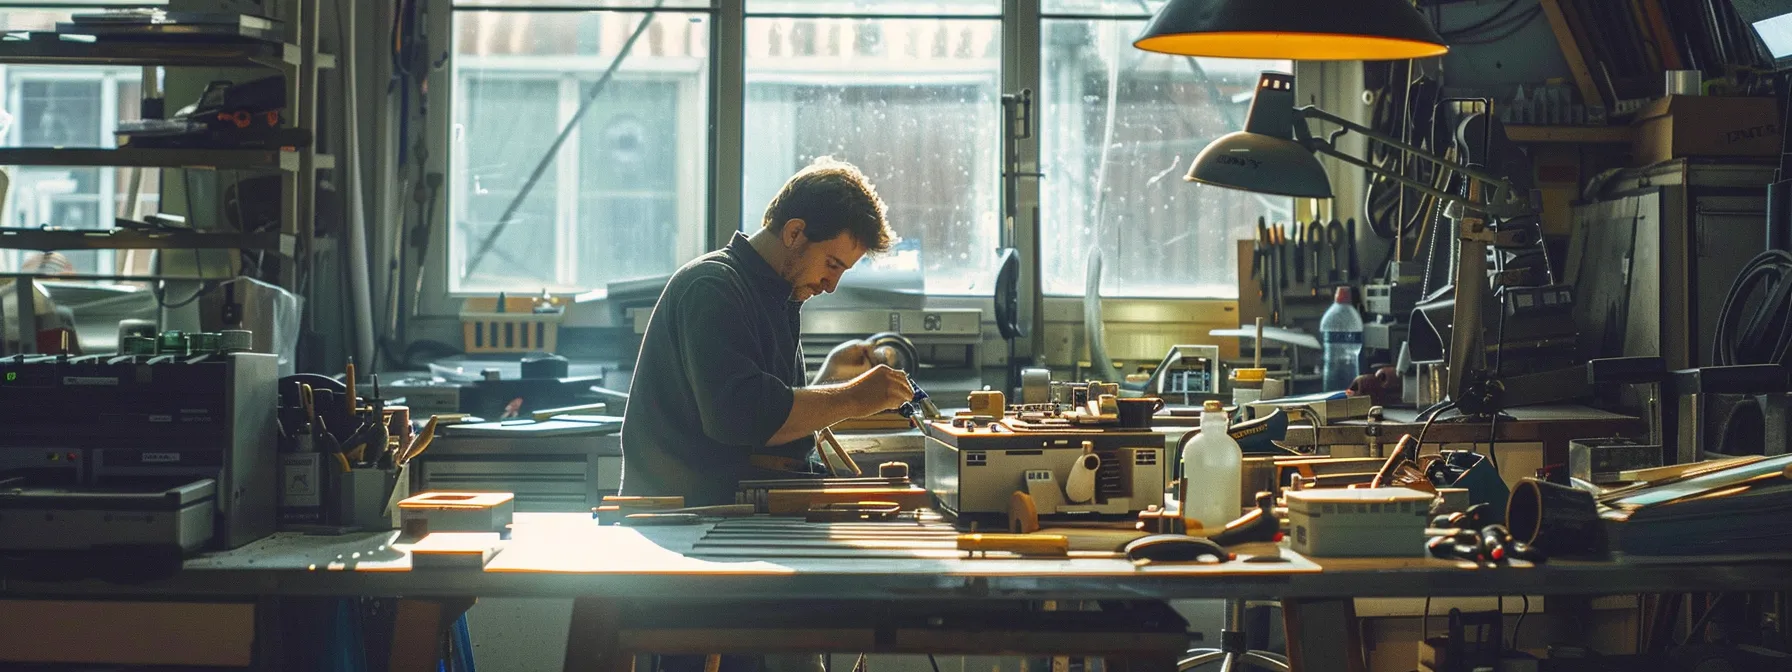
x: 831, y: 197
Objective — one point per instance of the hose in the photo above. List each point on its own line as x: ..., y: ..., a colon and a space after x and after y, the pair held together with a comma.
x: 1764, y: 334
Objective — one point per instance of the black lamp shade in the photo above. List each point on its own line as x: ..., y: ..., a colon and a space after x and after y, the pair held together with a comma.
x: 1263, y: 158
x: 1302, y: 30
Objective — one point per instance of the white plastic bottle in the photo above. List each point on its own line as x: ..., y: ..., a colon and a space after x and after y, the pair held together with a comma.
x: 1211, y: 470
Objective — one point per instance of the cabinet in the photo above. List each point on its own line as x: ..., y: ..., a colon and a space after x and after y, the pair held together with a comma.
x: 296, y: 60
x: 1655, y: 255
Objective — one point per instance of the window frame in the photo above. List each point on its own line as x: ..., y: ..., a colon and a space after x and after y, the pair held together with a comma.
x: 1022, y: 23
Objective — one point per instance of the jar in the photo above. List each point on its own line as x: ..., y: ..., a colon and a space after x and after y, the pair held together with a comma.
x: 1247, y: 385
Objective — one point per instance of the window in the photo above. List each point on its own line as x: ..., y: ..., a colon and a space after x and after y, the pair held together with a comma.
x: 913, y: 102
x: 67, y: 106
x: 624, y: 196
x: 908, y: 90
x: 1119, y: 129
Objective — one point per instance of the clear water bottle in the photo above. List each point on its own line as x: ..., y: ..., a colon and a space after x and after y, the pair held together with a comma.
x: 1341, y: 332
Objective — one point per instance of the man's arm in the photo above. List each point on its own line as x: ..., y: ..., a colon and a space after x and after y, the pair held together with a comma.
x: 813, y: 408
x: 847, y: 360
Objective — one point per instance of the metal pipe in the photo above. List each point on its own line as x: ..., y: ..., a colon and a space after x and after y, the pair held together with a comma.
x: 360, y: 289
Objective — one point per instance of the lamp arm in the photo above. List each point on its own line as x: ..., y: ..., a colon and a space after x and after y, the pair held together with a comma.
x: 1499, y: 186
x: 1328, y: 150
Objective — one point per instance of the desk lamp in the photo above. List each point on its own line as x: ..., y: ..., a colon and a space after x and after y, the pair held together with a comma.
x: 1302, y: 30
x: 1276, y: 154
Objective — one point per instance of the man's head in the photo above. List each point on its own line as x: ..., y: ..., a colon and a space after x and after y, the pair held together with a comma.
x: 825, y: 219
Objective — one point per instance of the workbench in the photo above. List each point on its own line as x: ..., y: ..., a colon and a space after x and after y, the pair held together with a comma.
x: 638, y: 590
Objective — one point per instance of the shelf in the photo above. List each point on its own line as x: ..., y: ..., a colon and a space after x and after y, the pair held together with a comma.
x: 117, y: 52
x: 228, y: 159
x: 1579, y: 134
x: 124, y: 239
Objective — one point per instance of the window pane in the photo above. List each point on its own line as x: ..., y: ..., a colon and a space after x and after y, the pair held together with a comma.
x: 1127, y: 8
x: 624, y: 197
x: 561, y: 5
x: 913, y: 103
x: 878, y: 7
x: 1149, y: 114
x: 63, y: 106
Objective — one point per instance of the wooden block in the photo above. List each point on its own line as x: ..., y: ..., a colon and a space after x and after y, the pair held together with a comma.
x: 454, y: 550
x: 796, y: 502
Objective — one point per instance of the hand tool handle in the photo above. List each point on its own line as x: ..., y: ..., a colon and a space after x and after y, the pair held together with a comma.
x: 421, y: 443
x: 1042, y: 545
x: 639, y: 502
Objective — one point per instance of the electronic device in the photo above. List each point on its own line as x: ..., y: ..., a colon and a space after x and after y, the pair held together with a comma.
x: 1191, y: 371
x: 108, y: 433
x: 974, y: 470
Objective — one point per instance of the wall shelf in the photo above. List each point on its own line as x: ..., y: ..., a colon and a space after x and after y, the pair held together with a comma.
x: 125, y: 239
x: 122, y: 52
x: 227, y: 159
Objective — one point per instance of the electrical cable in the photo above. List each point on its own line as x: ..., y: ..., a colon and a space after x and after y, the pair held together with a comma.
x: 934, y: 663
x: 1704, y: 619
x: 1440, y: 411
x: 1479, y: 25
x: 1516, y: 25
x: 1519, y: 625
x: 1765, y: 334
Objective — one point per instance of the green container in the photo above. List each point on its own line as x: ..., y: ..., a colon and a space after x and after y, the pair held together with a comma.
x: 173, y: 343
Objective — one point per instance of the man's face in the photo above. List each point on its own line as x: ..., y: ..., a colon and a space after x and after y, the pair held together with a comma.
x: 814, y: 268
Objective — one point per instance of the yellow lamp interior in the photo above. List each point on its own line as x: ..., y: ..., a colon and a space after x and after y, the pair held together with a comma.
x: 1295, y: 46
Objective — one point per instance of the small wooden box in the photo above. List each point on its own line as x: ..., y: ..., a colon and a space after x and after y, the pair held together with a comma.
x: 457, y: 512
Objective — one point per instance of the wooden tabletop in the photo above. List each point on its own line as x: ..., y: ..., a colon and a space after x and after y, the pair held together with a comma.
x: 563, y: 555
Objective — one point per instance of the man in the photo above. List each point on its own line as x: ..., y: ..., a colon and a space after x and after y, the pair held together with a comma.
x: 718, y: 394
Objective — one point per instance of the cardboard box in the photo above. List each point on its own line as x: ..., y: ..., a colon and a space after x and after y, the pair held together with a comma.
x: 1681, y: 126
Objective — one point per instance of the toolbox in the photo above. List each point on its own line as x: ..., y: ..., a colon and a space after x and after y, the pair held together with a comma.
x: 1361, y: 522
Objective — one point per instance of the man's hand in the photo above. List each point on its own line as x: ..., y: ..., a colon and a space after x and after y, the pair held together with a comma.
x: 845, y: 361
x: 880, y: 389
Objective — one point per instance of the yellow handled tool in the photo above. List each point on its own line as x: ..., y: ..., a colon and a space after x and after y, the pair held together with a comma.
x: 421, y: 443
x: 1031, y: 545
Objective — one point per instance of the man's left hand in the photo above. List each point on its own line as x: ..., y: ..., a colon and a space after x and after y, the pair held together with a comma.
x: 847, y: 360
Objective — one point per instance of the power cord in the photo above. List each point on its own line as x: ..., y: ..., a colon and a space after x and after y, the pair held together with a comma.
x: 1761, y: 334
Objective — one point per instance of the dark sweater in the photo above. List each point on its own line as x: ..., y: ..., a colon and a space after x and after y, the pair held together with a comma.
x: 714, y: 378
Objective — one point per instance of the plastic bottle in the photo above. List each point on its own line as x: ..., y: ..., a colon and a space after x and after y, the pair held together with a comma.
x: 1341, y: 332
x: 1211, y: 471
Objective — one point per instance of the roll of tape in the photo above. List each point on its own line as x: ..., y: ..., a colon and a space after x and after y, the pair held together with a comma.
x: 1035, y: 386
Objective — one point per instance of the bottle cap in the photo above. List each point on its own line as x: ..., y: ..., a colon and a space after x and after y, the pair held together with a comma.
x: 1343, y: 295
x: 1212, y: 406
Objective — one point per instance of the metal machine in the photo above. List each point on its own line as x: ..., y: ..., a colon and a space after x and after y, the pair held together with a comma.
x: 172, y: 445
x: 974, y: 470
x: 557, y: 465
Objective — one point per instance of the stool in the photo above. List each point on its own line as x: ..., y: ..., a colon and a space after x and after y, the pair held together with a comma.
x: 1233, y: 655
